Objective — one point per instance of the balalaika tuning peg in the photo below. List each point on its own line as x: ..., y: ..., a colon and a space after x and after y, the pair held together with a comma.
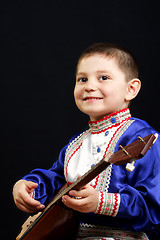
x: 130, y: 166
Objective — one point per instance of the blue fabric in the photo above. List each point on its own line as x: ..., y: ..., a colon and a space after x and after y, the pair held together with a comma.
x: 139, y: 190
x: 49, y: 181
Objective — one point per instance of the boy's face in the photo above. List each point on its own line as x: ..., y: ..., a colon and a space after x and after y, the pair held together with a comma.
x: 101, y: 87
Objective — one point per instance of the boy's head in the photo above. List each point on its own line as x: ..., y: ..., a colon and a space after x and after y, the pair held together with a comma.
x: 124, y: 59
x: 106, y: 80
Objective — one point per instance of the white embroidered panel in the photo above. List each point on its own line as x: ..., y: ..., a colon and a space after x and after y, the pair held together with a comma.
x: 87, y: 150
x: 90, y: 152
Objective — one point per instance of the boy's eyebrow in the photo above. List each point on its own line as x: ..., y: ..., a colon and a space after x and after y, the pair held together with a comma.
x: 80, y: 73
x: 99, y: 71
x: 103, y: 71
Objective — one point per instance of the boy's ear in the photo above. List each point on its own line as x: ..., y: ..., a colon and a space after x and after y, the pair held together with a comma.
x: 133, y: 88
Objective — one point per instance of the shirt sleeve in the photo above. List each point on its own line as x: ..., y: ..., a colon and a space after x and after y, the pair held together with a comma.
x: 49, y: 181
x: 136, y: 204
x: 140, y: 198
x: 108, y: 204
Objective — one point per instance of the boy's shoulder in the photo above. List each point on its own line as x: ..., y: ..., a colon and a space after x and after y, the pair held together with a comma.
x: 138, y: 128
x: 141, y: 124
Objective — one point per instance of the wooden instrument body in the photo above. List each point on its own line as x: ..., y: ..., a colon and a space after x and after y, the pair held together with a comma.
x: 59, y: 222
x: 55, y: 224
x: 56, y: 220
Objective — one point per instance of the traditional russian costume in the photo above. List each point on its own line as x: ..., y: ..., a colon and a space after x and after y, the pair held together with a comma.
x: 129, y: 202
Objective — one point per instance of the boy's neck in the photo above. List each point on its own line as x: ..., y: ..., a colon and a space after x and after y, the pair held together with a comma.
x: 118, y: 113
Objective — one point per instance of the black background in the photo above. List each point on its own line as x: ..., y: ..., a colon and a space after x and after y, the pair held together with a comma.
x: 40, y: 45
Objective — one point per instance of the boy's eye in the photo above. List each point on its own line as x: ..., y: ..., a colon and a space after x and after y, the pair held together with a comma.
x: 82, y: 80
x: 104, y: 78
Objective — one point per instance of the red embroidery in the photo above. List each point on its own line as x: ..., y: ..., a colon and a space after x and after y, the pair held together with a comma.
x: 107, y: 128
x: 69, y: 160
x: 124, y: 121
x: 32, y: 194
x: 96, y: 182
x: 100, y: 202
x: 115, y: 205
x: 109, y: 116
x: 107, y: 123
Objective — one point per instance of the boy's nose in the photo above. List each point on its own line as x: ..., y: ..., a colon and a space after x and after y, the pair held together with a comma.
x: 90, y: 86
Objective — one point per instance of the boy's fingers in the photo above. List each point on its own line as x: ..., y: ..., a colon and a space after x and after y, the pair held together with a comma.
x: 30, y: 201
x: 76, y: 204
x: 74, y: 193
x: 31, y: 185
x: 30, y: 210
x: 28, y: 204
x: 81, y: 193
x: 22, y: 196
x: 74, y: 201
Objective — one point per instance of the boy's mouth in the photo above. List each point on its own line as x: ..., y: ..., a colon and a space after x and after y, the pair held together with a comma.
x: 91, y: 98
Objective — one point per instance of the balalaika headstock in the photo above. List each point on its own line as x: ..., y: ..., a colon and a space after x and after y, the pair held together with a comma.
x: 133, y: 151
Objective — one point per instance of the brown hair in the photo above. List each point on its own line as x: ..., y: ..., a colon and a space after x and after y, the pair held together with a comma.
x: 122, y: 56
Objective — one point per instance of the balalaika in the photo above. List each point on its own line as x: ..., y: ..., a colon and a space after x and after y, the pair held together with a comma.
x: 59, y: 222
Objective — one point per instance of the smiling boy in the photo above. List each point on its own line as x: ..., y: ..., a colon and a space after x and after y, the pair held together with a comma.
x: 117, y: 203
x: 102, y: 88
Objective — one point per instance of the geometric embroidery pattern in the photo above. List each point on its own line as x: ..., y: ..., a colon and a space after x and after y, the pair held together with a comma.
x: 86, y: 231
x: 109, y: 202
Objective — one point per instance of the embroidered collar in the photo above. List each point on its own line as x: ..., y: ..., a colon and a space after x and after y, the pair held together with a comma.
x: 109, y: 121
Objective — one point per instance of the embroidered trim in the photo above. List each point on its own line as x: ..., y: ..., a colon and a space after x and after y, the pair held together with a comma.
x: 105, y: 176
x: 122, y: 116
x: 93, y: 231
x: 102, y: 181
x: 32, y: 194
x: 73, y: 147
x: 96, y: 238
x: 117, y: 135
x: 108, y: 204
x: 100, y: 202
x: 113, y: 120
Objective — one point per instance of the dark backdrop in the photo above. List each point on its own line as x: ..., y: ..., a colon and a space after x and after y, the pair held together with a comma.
x: 40, y: 45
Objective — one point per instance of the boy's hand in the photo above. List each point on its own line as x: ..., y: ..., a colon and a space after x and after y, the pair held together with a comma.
x: 87, y: 200
x: 21, y: 194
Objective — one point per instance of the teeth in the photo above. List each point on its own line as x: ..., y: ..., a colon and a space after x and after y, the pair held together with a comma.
x: 91, y: 98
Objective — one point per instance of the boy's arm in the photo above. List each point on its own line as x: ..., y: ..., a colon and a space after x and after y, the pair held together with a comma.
x: 137, y: 203
x: 38, y: 187
x: 22, y: 194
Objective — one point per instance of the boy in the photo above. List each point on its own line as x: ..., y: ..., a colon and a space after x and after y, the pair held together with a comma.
x: 117, y: 203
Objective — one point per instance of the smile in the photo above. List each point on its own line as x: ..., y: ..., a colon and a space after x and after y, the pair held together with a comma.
x: 91, y: 99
